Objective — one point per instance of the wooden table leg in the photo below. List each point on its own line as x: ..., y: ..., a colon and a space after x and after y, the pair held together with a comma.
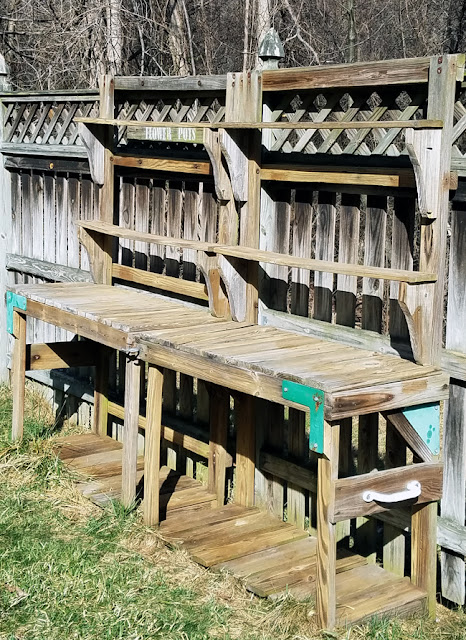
x: 245, y: 450
x: 152, y: 445
x: 327, y: 473
x: 130, y: 435
x: 219, y: 410
x: 100, y: 421
x: 18, y: 374
x: 424, y: 551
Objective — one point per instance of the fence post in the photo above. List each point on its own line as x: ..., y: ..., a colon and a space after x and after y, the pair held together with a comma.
x: 5, y: 230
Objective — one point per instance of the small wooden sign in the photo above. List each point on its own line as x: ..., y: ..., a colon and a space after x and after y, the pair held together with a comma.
x: 167, y: 134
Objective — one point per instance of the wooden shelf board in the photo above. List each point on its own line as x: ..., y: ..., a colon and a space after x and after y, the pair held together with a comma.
x: 256, y: 255
x: 359, y: 124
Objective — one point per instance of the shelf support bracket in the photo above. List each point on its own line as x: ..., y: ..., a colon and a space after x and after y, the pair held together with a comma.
x: 312, y: 399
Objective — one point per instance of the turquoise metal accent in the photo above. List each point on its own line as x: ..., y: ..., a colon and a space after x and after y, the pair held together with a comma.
x: 13, y: 300
x: 313, y: 399
x: 425, y: 420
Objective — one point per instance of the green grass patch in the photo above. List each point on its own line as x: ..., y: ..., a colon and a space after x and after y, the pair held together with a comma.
x: 70, y: 570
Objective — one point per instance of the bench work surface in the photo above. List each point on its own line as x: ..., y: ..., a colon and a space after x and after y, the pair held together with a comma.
x: 241, y: 356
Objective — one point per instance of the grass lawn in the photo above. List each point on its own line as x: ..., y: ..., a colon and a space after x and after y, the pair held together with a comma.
x: 70, y: 570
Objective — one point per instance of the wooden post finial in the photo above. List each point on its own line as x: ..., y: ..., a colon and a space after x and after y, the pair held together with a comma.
x: 271, y: 50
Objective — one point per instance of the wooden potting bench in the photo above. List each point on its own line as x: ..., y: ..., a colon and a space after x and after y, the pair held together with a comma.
x: 224, y: 345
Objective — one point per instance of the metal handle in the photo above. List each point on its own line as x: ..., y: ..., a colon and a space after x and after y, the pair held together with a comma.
x: 413, y: 490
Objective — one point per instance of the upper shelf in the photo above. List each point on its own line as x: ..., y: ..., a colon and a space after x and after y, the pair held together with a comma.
x: 369, y: 124
x: 257, y: 255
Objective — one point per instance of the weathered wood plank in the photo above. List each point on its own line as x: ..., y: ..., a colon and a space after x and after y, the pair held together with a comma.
x: 152, y: 445
x: 386, y: 72
x: 46, y: 270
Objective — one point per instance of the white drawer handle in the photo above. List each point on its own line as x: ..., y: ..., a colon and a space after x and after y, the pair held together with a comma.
x: 413, y: 490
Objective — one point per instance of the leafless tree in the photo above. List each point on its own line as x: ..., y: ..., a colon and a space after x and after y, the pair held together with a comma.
x: 67, y: 44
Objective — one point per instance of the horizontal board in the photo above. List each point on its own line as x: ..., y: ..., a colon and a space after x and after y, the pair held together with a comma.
x: 354, y: 124
x: 348, y: 491
x: 407, y: 71
x: 166, y: 283
x: 271, y: 257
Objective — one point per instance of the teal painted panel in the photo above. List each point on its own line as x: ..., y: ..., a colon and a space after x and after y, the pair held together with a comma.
x: 313, y: 399
x: 13, y: 300
x: 425, y: 419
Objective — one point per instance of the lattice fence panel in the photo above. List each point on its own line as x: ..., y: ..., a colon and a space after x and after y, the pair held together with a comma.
x: 44, y: 121
x: 361, y: 105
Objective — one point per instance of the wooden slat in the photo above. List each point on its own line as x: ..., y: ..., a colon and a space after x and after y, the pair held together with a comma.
x: 386, y: 72
x: 348, y: 491
x: 357, y: 124
x: 158, y: 281
x: 271, y: 257
x: 454, y: 452
x: 340, y: 175
x: 180, y: 165
x: 60, y: 355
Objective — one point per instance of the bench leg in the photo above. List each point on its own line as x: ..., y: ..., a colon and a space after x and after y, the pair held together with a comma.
x: 219, y: 409
x: 152, y: 445
x: 100, y: 421
x: 18, y: 374
x: 424, y: 551
x: 130, y: 435
x: 245, y: 450
x: 327, y: 473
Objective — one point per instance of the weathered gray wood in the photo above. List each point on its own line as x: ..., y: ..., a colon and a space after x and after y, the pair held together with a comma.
x: 46, y: 270
x: 49, y: 150
x: 46, y: 164
x: 177, y: 84
x: 452, y: 536
x: 325, y: 242
x: 454, y: 445
x: 5, y: 243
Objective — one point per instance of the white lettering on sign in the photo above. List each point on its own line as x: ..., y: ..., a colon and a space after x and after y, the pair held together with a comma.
x: 170, y: 134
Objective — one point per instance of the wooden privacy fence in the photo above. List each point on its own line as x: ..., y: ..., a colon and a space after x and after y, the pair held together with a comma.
x: 349, y: 213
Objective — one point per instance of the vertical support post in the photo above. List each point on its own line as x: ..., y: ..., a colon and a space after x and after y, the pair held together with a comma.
x: 130, y: 435
x: 100, y: 420
x: 368, y: 436
x: 425, y: 303
x: 152, y: 445
x: 219, y: 410
x: 424, y: 551
x: 327, y: 473
x: 245, y: 450
x: 107, y: 192
x: 18, y: 374
x: 394, y: 539
x: 5, y: 231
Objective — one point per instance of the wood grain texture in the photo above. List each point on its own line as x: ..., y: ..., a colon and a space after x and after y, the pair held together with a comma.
x: 130, y: 435
x: 60, y: 355
x: 348, y: 491
x: 327, y: 474
x: 153, y: 434
x: 18, y: 370
x: 424, y: 552
x: 245, y: 450
x: 219, y: 415
x: 344, y: 75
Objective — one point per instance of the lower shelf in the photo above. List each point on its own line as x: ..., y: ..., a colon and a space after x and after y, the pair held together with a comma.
x: 271, y: 556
